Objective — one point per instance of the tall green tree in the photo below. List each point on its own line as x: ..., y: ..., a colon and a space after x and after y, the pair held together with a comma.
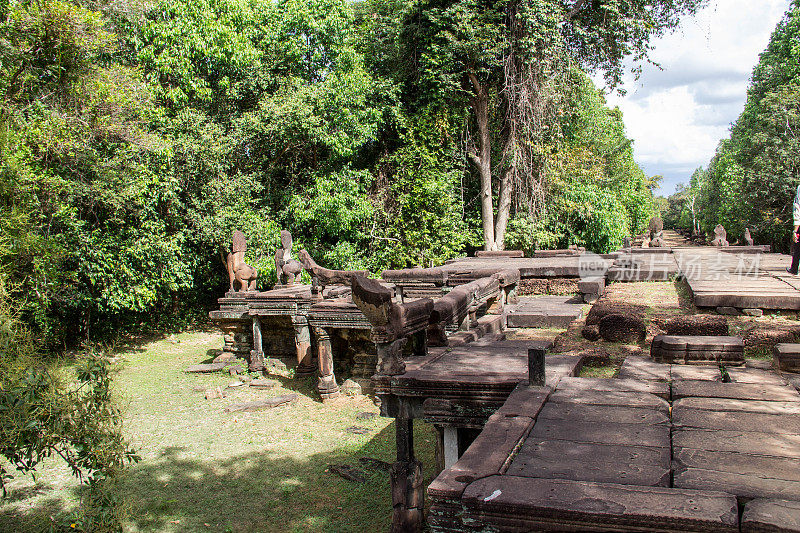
x: 754, y: 173
x: 505, y: 61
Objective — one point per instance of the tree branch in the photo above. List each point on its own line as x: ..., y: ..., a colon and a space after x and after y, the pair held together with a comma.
x: 577, y: 7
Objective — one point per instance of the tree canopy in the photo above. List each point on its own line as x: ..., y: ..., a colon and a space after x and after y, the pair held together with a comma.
x: 752, y: 178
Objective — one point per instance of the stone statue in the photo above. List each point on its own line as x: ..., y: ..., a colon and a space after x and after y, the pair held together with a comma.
x: 656, y: 233
x: 286, y: 268
x: 239, y: 271
x: 720, y: 236
x: 748, y: 239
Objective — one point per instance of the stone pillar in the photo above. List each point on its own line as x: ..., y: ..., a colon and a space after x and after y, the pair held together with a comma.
x: 257, y: 363
x: 536, y: 374
x: 406, y: 478
x: 326, y: 384
x: 419, y: 343
x: 450, y: 445
x: 302, y: 340
x: 236, y: 336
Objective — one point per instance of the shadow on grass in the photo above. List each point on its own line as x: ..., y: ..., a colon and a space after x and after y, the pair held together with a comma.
x: 263, y: 491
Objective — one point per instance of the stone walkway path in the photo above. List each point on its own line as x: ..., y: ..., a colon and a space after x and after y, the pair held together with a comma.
x: 660, y: 448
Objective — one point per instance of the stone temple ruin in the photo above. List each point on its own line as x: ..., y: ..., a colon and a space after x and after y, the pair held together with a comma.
x: 688, y: 436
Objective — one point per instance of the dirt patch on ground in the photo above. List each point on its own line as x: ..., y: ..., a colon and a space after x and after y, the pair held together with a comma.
x: 541, y: 286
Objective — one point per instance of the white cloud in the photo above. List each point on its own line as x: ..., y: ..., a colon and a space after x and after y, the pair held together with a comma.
x: 678, y: 115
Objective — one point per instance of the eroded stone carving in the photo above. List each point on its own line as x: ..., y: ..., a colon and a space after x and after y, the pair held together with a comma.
x: 239, y: 271
x: 720, y: 236
x: 286, y: 268
x: 656, y: 233
x: 324, y: 276
x: 392, y: 323
x: 748, y: 239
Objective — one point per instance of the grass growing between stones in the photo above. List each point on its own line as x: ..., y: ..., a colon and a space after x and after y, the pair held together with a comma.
x: 206, y: 470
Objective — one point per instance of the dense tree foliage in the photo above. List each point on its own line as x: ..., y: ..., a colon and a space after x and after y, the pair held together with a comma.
x: 754, y: 174
x: 137, y: 137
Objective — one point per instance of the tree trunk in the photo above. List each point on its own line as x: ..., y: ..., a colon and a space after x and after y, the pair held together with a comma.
x: 482, y: 159
x: 503, y: 209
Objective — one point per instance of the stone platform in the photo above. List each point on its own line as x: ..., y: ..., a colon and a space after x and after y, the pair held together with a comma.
x: 545, y: 312
x: 605, y: 455
x: 740, y: 280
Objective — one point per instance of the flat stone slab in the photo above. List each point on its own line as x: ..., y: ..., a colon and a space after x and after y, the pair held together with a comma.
x: 559, y: 459
x: 743, y: 486
x: 643, y: 368
x: 737, y: 391
x: 557, y: 505
x: 786, y: 357
x: 771, y: 516
x: 600, y: 433
x: 707, y: 373
x: 623, y: 399
x: 752, y: 375
x: 545, y: 312
x: 740, y: 421
x: 739, y: 463
x: 748, y: 406
x: 603, y: 464
x: 603, y: 414
x: 660, y: 389
x: 768, y: 444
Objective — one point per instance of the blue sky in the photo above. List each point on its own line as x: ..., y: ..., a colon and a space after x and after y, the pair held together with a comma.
x: 678, y: 115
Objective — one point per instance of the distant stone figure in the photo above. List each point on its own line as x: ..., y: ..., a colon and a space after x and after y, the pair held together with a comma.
x: 720, y: 236
x: 626, y: 242
x: 656, y: 233
x: 286, y: 268
x: 239, y: 271
x: 748, y: 239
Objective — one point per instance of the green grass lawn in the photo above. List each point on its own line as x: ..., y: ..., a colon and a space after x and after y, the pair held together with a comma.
x: 206, y: 470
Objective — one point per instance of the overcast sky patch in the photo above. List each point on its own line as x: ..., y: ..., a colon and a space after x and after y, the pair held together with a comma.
x: 678, y: 115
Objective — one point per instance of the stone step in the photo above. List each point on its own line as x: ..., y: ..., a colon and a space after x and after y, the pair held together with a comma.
x: 697, y: 349
x: 786, y: 357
